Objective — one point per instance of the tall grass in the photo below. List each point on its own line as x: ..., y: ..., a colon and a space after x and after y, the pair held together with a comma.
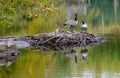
x: 113, y: 29
x: 44, y: 23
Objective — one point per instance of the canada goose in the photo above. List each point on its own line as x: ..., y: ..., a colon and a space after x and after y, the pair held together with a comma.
x: 84, y: 26
x: 72, y: 23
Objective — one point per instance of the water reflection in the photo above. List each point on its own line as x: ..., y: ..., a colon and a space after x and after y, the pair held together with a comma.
x: 102, y: 61
x: 68, y: 51
x: 72, y: 53
x: 8, y: 56
x: 84, y: 53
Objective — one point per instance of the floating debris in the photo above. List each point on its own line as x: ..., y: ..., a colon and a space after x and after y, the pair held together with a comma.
x: 59, y: 38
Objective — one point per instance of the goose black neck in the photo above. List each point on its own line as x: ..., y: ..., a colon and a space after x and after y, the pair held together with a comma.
x: 76, y: 17
x: 84, y: 21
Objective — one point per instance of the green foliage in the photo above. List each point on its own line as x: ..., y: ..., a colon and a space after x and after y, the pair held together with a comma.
x: 5, y: 22
x: 17, y: 12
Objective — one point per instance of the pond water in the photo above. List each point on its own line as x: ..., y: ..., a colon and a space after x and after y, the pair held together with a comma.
x: 101, y: 61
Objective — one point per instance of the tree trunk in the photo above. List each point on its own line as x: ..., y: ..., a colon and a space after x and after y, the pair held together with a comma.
x: 115, y: 10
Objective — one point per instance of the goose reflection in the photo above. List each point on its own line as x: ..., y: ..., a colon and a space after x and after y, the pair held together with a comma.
x: 84, y: 53
x: 71, y: 53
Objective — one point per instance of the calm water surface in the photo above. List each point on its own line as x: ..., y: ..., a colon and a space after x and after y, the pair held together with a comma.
x: 102, y: 61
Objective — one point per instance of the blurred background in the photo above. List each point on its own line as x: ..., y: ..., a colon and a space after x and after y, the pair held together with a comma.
x: 28, y: 17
